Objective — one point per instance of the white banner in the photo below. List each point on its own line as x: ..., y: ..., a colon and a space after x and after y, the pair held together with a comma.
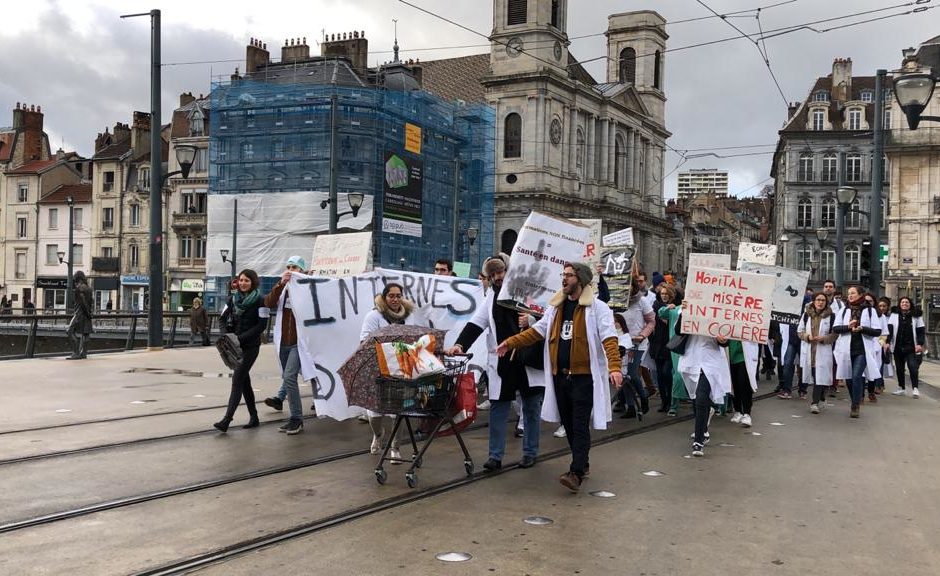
x: 592, y: 250
x: 330, y: 311
x: 538, y: 258
x: 727, y: 303
x: 337, y: 255
x: 765, y: 254
x: 789, y: 290
x: 620, y: 238
x: 701, y: 260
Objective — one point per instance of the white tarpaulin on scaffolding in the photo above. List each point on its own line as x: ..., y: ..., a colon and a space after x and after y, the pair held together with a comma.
x: 273, y: 226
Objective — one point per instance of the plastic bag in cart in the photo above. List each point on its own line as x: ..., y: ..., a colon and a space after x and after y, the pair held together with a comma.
x: 464, y: 408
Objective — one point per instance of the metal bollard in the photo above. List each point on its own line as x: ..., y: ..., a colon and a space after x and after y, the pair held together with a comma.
x: 131, y: 334
x: 31, y: 339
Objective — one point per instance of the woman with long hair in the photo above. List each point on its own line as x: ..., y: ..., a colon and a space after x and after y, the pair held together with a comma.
x: 816, y: 337
x: 907, y: 343
x: 667, y: 371
x: 857, y: 352
x: 241, y: 318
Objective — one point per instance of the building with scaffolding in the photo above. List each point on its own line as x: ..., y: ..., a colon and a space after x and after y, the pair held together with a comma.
x: 284, y: 133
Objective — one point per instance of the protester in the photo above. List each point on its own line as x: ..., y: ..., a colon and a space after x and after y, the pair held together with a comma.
x: 829, y: 289
x: 816, y: 337
x: 648, y: 364
x: 391, y: 307
x: 908, y: 343
x: 882, y: 321
x: 669, y: 313
x: 742, y: 358
x: 80, y: 327
x: 786, y: 348
x: 520, y: 372
x: 285, y: 342
x: 707, y: 376
x: 198, y: 322
x: 242, y: 318
x: 28, y: 306
x: 658, y: 352
x: 443, y: 267
x: 857, y: 353
x: 887, y: 336
x: 580, y: 357
x: 641, y: 321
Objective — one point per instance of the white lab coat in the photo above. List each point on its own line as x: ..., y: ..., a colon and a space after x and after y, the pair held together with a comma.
x: 824, y: 356
x: 887, y: 368
x: 703, y: 354
x: 842, y: 352
x: 894, y: 320
x: 751, y: 357
x: 600, y: 326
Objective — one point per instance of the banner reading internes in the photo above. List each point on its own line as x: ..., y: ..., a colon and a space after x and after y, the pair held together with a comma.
x: 592, y: 249
x: 765, y: 254
x: 538, y: 259
x: 732, y: 304
x: 329, y: 313
x: 336, y: 255
x: 617, y: 263
x: 401, y: 201
x: 702, y: 260
x: 789, y: 290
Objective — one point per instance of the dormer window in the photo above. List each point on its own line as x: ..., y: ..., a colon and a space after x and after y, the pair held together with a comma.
x: 819, y: 120
x: 196, y: 122
x: 821, y: 96
x: 868, y: 96
x: 855, y: 119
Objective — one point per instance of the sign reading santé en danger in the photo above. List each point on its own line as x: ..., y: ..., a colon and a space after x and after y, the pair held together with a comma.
x: 735, y: 305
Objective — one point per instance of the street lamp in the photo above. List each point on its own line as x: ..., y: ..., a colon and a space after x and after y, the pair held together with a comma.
x: 845, y: 197
x: 224, y: 252
x: 354, y: 199
x: 913, y: 92
x: 472, y: 235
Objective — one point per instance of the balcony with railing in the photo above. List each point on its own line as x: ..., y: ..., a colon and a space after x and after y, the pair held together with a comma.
x: 189, y: 221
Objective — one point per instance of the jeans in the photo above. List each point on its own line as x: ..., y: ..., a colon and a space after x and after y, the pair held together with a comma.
x: 290, y: 367
x: 702, y: 406
x: 857, y: 384
x: 788, y: 368
x: 743, y: 397
x: 633, y: 385
x: 575, y: 395
x: 241, y: 385
x: 664, y: 381
x: 531, y: 414
x: 912, y: 361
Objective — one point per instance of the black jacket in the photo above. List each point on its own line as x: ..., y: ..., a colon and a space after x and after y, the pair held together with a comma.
x: 248, y: 326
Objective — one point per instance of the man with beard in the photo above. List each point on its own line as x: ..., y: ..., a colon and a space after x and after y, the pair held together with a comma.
x: 581, y: 356
x: 520, y: 372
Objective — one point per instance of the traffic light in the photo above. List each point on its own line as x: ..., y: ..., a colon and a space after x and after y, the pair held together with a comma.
x: 866, y: 257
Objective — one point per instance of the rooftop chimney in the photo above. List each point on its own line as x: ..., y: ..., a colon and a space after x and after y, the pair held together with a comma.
x: 28, y: 121
x: 186, y: 98
x: 792, y: 108
x: 296, y: 51
x: 841, y: 79
x: 352, y: 46
x: 256, y: 55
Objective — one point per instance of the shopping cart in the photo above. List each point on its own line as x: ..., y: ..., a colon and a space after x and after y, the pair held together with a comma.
x: 430, y: 399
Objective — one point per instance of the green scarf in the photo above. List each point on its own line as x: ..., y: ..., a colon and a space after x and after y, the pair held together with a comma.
x: 242, y: 301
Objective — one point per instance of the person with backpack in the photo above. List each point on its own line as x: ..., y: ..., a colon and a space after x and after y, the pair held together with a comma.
x: 857, y: 351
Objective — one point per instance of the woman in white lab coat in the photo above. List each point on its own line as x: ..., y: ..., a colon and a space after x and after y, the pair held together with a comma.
x: 857, y: 350
x: 816, y: 337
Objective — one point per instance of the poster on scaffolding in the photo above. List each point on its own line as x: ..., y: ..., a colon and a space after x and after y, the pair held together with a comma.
x: 617, y: 267
x: 401, y: 199
x: 728, y: 303
x: 544, y: 245
x: 336, y: 255
x: 789, y: 290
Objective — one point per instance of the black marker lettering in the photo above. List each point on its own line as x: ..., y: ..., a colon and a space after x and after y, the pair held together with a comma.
x: 316, y: 301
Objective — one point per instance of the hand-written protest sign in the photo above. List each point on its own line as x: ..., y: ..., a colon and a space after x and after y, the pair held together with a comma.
x: 620, y: 238
x: 617, y: 263
x: 701, y: 260
x: 735, y: 305
x: 592, y: 250
x: 330, y: 311
x: 336, y: 255
x: 544, y: 245
x: 789, y: 290
x: 758, y: 253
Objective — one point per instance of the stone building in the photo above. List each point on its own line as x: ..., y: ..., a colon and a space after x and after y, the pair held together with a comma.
x: 834, y: 122
x: 52, y: 238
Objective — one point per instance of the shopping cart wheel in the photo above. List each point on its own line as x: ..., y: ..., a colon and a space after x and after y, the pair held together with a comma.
x: 380, y: 475
x: 412, y: 479
x: 416, y: 460
x: 468, y: 466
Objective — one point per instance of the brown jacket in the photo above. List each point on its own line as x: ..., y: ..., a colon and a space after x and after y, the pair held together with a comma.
x: 580, y: 353
x: 288, y: 325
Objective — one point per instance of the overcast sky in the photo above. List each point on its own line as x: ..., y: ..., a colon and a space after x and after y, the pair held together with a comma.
x: 88, y: 69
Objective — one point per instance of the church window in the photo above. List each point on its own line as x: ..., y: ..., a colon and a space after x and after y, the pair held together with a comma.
x: 628, y: 66
x: 512, y: 136
x: 657, y: 69
x: 556, y: 12
x: 516, y: 12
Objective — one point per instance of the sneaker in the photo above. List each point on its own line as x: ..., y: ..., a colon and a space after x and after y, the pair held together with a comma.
x: 814, y: 408
x: 872, y: 398
x: 394, y: 455
x: 294, y: 427
x: 708, y: 437
x: 284, y: 427
x: 802, y: 395
x: 698, y: 450
x: 376, y: 445
x: 570, y: 481
x: 854, y: 412
x: 519, y: 432
x: 492, y: 465
x: 560, y: 433
x: 736, y: 418
x: 898, y: 392
x: 784, y: 396
x: 915, y: 393
x: 672, y: 412
x: 746, y: 421
x: 485, y: 405
x: 274, y: 402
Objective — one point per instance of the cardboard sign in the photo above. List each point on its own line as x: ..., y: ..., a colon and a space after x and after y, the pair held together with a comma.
x: 732, y: 304
x: 702, y: 260
x: 462, y: 269
x: 592, y: 250
x: 336, y: 255
x: 620, y: 238
x: 789, y: 290
x: 765, y: 254
x: 543, y: 247
x: 617, y: 263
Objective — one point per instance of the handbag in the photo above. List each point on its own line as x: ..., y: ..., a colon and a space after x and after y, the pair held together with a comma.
x: 676, y: 344
x: 230, y: 350
x: 464, y: 408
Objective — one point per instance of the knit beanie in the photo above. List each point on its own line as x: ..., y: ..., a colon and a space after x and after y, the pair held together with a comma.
x: 657, y: 279
x: 583, y: 272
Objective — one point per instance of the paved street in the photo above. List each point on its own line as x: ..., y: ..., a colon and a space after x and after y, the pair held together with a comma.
x: 154, y: 485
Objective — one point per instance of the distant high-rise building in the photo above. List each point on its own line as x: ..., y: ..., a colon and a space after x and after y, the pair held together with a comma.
x: 697, y: 181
